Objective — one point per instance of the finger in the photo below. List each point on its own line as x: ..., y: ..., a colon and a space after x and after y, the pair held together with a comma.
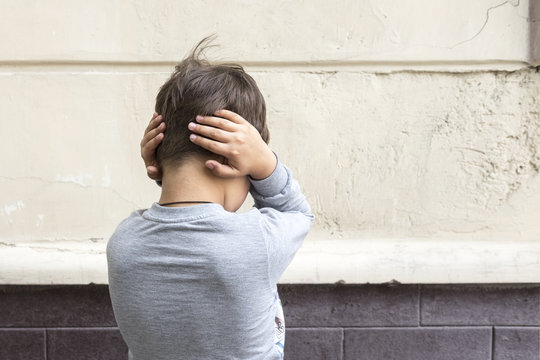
x: 216, y: 122
x: 221, y: 170
x: 153, y: 172
x: 149, y: 149
x: 153, y: 133
x: 213, y: 146
x: 151, y: 123
x: 210, y: 132
x: 156, y: 119
x: 230, y: 115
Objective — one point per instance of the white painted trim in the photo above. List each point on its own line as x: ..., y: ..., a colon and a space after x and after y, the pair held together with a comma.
x: 318, y: 261
x: 416, y: 261
x: 164, y: 68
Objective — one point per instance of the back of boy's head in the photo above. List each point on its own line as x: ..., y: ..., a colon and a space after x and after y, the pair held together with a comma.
x: 197, y: 87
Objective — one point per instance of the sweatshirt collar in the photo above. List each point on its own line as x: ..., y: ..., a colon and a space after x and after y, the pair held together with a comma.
x: 175, y: 214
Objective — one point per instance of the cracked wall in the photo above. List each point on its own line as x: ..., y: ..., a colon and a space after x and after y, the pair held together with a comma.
x: 419, y: 120
x: 411, y: 154
x: 372, y: 33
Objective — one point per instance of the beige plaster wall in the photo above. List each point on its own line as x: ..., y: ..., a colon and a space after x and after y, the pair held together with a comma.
x: 413, y: 122
x: 264, y: 32
x: 534, y: 23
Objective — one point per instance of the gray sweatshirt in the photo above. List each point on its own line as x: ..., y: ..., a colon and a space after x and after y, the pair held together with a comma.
x: 199, y: 282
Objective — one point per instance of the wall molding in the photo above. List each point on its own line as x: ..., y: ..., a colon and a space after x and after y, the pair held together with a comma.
x: 355, y: 261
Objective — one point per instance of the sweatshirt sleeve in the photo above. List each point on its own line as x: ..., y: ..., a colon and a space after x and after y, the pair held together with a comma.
x: 286, y: 217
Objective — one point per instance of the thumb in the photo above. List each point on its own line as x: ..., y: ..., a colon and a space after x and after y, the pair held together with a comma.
x: 221, y: 170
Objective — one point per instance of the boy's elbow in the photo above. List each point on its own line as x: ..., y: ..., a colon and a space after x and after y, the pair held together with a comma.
x: 310, y: 218
x: 307, y: 212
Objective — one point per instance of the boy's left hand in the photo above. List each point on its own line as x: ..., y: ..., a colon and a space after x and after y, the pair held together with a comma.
x: 229, y: 135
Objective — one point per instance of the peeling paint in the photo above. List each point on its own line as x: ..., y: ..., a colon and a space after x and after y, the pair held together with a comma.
x: 10, y: 208
x: 75, y: 179
x: 40, y: 218
x: 106, y: 178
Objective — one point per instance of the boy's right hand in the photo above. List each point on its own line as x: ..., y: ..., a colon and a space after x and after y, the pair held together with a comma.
x: 150, y: 141
x: 229, y: 135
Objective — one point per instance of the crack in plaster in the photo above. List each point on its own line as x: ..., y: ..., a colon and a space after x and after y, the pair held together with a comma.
x: 63, y: 181
x: 469, y: 148
x: 486, y: 21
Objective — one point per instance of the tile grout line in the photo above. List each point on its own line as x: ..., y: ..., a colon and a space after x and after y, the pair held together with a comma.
x: 378, y: 327
x: 419, y: 305
x: 342, y: 343
x: 45, y: 355
x: 342, y: 327
x: 492, y: 342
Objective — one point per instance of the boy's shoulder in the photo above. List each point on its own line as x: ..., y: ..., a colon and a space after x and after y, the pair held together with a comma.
x: 246, y: 229
x: 213, y: 215
x: 126, y: 225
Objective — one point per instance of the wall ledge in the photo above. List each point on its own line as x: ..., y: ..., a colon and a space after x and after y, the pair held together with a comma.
x: 97, y: 67
x: 425, y: 261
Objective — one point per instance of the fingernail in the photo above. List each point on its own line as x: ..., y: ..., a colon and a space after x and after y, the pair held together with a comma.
x: 199, y: 118
x: 191, y: 125
x: 210, y: 166
x: 192, y: 137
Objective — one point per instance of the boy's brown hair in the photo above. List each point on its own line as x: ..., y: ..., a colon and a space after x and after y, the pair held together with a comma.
x: 197, y: 87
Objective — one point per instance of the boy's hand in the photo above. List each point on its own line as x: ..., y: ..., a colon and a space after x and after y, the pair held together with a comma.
x: 233, y: 137
x: 150, y: 141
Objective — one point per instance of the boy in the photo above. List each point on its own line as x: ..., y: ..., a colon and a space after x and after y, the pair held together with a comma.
x: 190, y: 278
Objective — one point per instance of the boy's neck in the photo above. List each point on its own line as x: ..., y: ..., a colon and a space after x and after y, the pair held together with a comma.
x: 191, y: 181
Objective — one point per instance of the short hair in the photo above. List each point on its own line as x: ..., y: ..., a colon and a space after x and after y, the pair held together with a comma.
x: 197, y: 87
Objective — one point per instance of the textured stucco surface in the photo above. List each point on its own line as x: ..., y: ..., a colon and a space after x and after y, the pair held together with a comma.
x: 414, y: 155
x: 408, y: 154
x: 413, y: 129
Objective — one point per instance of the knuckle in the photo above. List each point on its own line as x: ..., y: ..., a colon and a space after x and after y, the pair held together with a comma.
x: 212, y: 146
x: 213, y: 133
x: 241, y: 139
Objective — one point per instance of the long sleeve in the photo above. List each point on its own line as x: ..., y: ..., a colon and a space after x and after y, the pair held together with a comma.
x: 286, y: 217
